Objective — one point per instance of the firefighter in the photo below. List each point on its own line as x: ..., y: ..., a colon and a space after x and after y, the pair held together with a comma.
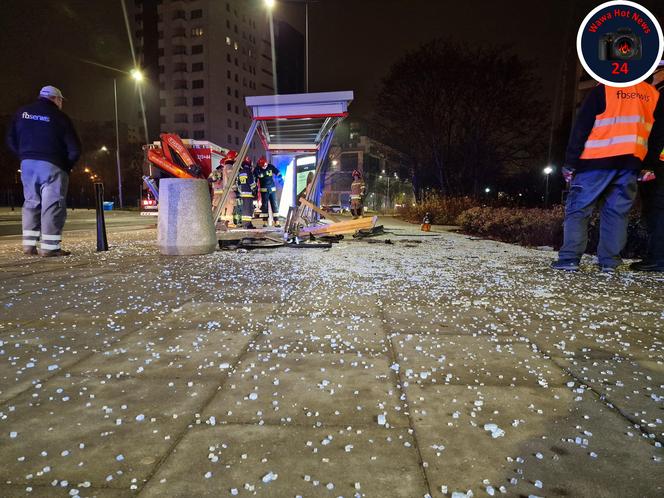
x: 357, y: 192
x: 44, y: 139
x: 265, y: 174
x: 246, y: 189
x: 229, y: 161
x: 216, y: 181
x: 607, y: 147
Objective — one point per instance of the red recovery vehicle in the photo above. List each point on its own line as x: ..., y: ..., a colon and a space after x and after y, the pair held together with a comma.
x: 179, y: 158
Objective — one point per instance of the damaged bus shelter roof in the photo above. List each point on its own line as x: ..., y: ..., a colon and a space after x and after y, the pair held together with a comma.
x: 299, y: 122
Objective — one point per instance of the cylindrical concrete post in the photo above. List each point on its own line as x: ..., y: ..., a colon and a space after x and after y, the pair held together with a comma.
x: 185, y: 225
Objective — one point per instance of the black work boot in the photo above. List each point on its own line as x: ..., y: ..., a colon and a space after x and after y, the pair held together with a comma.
x: 58, y: 253
x: 647, y: 265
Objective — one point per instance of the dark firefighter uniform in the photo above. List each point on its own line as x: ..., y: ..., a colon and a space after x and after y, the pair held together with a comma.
x: 246, y: 191
x: 357, y: 192
x: 265, y: 175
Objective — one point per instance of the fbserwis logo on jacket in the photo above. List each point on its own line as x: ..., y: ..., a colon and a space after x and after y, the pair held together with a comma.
x: 36, y: 117
x: 620, y: 43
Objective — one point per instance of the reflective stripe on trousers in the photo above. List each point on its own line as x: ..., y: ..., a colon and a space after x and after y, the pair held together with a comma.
x: 30, y: 238
x: 51, y: 242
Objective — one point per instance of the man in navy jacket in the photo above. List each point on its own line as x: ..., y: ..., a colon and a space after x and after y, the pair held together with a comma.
x: 44, y: 139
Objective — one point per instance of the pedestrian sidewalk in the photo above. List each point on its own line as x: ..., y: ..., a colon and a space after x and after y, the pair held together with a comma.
x: 432, y: 365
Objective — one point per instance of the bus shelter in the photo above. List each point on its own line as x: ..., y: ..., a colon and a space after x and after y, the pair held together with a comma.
x: 293, y: 124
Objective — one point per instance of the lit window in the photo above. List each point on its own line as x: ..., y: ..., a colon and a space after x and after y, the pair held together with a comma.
x: 235, y: 45
x: 196, y: 32
x: 228, y: 40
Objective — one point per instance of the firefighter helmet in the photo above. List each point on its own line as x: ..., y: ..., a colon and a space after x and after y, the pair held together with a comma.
x: 231, y: 156
x: 262, y: 162
x: 246, y: 161
x: 357, y: 174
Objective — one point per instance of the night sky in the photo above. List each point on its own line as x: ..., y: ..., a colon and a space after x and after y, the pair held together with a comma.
x: 352, y: 45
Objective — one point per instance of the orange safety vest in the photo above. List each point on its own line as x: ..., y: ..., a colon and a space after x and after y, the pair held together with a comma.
x: 624, y: 127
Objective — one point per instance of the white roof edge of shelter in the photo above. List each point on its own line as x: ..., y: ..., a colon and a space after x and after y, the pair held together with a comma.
x: 300, y: 98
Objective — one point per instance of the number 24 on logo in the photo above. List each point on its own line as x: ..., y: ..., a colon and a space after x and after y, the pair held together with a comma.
x: 619, y: 68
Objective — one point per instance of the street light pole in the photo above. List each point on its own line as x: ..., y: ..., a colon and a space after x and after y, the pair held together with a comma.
x: 547, y: 171
x: 306, y: 47
x: 388, y: 193
x: 117, y: 142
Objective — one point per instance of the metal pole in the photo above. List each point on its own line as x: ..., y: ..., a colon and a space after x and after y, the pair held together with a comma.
x: 306, y: 47
x: 546, y: 193
x: 387, y: 207
x: 273, y: 54
x: 117, y: 142
x: 102, y: 242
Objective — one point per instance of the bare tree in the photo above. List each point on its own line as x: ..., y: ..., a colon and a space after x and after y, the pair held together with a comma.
x: 466, y: 117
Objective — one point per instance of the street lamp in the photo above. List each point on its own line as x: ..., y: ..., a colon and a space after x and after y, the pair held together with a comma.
x: 487, y: 190
x: 547, y: 171
x: 137, y: 75
x: 104, y: 148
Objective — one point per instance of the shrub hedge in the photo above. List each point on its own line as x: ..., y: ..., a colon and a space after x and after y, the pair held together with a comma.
x: 444, y: 210
x: 525, y: 226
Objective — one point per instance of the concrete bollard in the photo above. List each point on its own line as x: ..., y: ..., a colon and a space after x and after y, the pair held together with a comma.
x: 185, y: 225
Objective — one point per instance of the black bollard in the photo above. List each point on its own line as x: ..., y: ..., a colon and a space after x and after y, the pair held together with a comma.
x: 102, y: 243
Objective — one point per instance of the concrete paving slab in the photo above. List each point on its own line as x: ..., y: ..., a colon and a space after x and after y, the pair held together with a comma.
x: 634, y: 387
x: 308, y: 390
x: 473, y: 361
x: 22, y: 366
x: 319, y: 333
x: 306, y: 461
x: 164, y: 353
x: 107, y: 432
x: 567, y: 440
x: 442, y: 318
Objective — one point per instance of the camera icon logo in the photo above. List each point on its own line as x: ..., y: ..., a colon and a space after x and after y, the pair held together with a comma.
x: 620, y: 43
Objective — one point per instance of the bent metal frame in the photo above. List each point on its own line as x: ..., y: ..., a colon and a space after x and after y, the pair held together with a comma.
x: 292, y: 124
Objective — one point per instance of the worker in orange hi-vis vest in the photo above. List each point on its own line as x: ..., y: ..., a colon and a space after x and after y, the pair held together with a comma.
x: 358, y: 190
x: 609, y: 145
x: 652, y: 195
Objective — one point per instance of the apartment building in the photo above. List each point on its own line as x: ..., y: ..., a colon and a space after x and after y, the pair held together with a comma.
x: 210, y: 55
